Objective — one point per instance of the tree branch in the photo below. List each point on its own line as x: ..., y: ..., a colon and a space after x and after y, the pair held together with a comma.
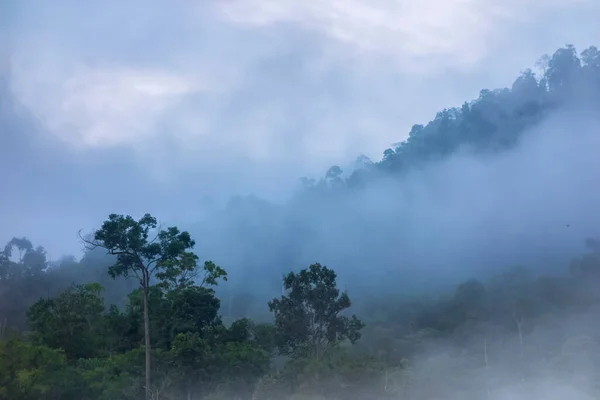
x: 89, y: 244
x: 158, y: 230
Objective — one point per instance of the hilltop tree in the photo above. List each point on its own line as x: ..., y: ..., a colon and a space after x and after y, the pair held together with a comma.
x: 168, y: 257
x: 308, y: 319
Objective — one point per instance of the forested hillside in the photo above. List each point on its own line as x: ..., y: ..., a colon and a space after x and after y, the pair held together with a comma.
x: 491, y: 183
x: 414, y: 314
x: 498, y: 118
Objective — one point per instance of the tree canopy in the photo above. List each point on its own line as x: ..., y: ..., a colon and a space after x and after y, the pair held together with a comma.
x: 308, y: 317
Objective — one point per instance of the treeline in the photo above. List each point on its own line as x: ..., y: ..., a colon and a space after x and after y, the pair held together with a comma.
x: 495, y: 121
x: 168, y: 341
x: 498, y: 118
x: 514, y: 329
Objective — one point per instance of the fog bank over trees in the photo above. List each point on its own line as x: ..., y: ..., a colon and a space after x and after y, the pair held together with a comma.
x: 507, y: 179
x: 463, y: 264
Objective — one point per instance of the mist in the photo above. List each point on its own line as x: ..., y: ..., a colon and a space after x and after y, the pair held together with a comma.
x: 469, y: 215
x: 143, y: 117
x: 460, y: 262
x: 531, y: 205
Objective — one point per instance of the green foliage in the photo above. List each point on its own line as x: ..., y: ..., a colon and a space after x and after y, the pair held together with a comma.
x: 79, y: 350
x: 209, y: 363
x: 193, y: 308
x: 168, y: 256
x: 339, y: 374
x: 31, y: 372
x: 26, y: 276
x: 189, y: 309
x: 121, y: 377
x: 23, y: 278
x: 497, y: 118
x: 71, y: 321
x: 308, y: 318
x: 264, y: 336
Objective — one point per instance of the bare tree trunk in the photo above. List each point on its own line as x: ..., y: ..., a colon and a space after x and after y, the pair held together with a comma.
x: 519, y: 323
x: 485, y: 353
x: 385, y: 385
x: 147, y: 337
x: 487, y: 374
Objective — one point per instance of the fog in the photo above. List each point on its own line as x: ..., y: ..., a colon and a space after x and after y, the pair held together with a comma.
x: 464, y: 249
x: 209, y: 101
x: 469, y: 215
x: 499, y: 367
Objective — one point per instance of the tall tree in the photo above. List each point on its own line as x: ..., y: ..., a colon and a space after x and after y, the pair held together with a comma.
x: 168, y: 257
x: 307, y: 318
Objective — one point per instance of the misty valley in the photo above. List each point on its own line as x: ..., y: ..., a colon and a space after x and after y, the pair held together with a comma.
x: 465, y: 264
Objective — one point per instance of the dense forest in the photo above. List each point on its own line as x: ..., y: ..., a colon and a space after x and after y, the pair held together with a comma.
x: 140, y: 314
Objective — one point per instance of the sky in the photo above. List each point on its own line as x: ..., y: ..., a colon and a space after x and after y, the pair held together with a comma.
x: 111, y: 106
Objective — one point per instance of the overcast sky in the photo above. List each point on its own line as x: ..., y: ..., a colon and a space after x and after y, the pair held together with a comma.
x: 133, y: 106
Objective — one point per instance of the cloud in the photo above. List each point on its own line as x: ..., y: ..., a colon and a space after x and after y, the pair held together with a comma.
x: 100, y: 107
x: 234, y: 100
x: 460, y: 31
x: 254, y: 80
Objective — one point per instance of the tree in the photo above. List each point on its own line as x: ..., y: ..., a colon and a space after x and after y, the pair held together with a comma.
x: 23, y: 279
x: 308, y: 319
x: 71, y: 321
x: 29, y: 371
x: 333, y: 172
x: 542, y: 63
x: 188, y: 309
x: 168, y: 257
x: 590, y: 58
x: 562, y: 68
x: 229, y: 360
x: 193, y: 309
